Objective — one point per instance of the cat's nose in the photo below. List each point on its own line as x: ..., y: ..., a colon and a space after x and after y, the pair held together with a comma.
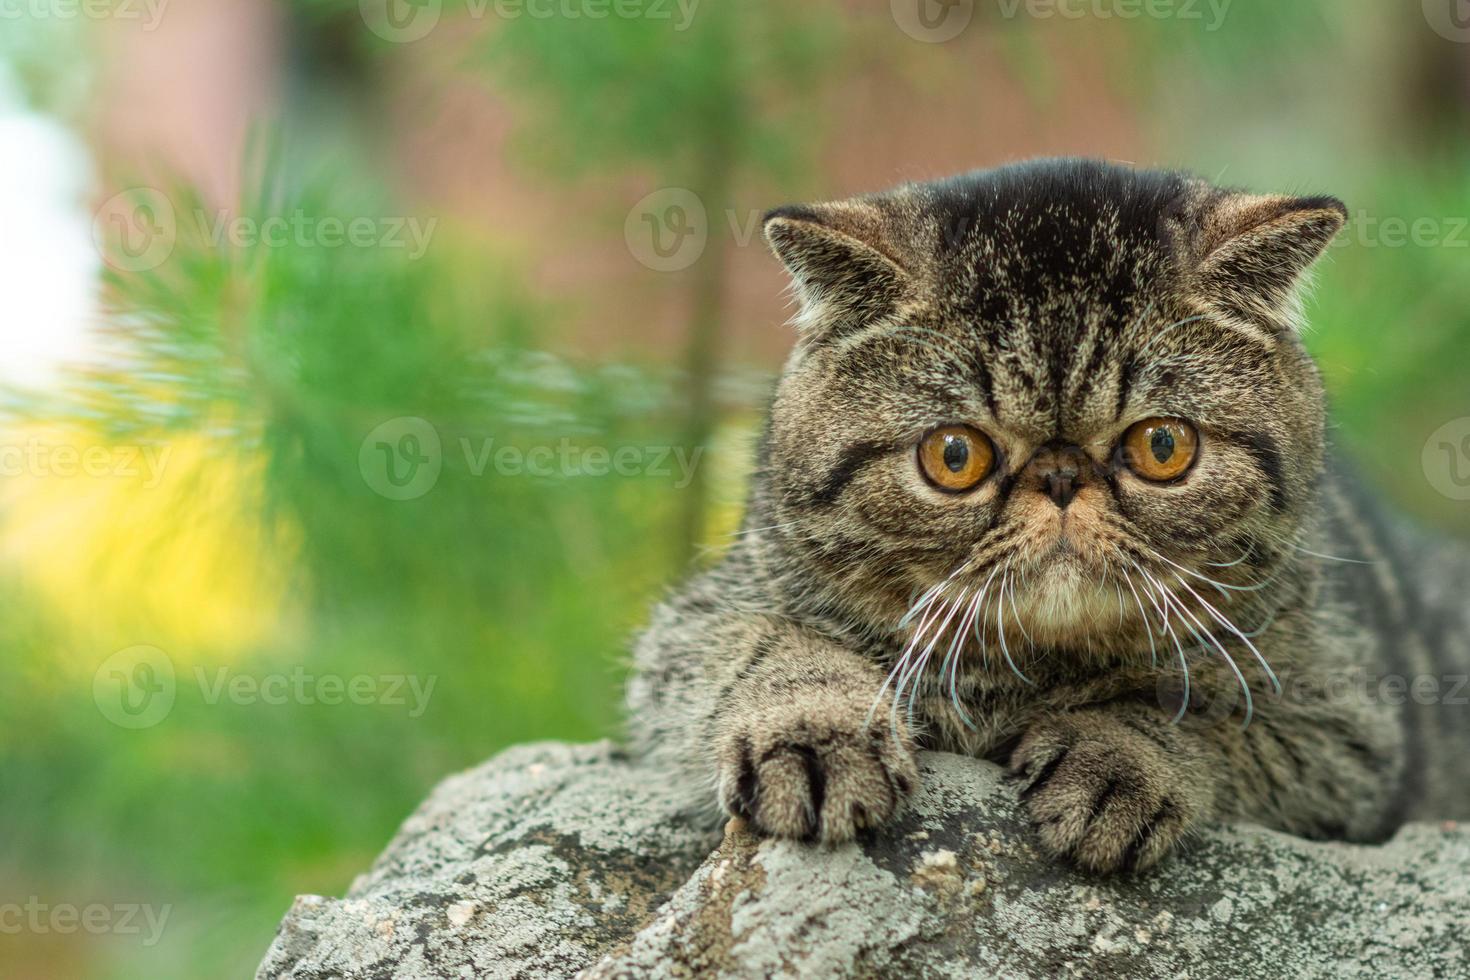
x: 1061, y: 488
x: 1059, y: 471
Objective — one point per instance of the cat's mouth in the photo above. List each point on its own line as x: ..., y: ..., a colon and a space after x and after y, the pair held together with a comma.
x: 1064, y: 598
x: 1066, y: 592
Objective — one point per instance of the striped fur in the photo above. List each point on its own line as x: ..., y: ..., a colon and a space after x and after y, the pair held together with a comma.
x: 1148, y: 657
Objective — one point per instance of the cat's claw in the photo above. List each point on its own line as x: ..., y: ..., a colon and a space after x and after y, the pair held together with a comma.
x: 801, y: 777
x: 1100, y: 795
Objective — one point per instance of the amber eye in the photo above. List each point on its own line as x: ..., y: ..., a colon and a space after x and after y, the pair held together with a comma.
x: 956, y: 457
x: 1160, y: 449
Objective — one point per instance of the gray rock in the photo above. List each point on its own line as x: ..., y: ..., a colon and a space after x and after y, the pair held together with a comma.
x: 554, y: 860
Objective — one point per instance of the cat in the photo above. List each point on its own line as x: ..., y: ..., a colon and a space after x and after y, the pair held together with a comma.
x: 1045, y: 482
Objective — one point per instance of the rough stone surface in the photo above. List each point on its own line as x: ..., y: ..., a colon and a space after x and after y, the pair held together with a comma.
x: 555, y: 860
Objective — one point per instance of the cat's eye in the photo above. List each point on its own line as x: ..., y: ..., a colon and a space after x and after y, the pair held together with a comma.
x: 1160, y: 449
x: 955, y: 458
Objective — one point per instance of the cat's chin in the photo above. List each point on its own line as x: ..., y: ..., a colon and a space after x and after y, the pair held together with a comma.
x: 1067, y: 603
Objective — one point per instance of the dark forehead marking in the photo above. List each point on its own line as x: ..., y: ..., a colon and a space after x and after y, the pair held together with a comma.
x: 986, y: 385
x: 1053, y: 256
x: 1046, y: 221
x: 1125, y: 388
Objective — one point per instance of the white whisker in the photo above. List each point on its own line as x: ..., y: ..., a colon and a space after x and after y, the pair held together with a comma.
x: 1001, y: 628
x: 952, y: 659
x: 769, y: 527
x: 1153, y: 650
x: 1207, y: 638
x: 1209, y: 581
x: 1220, y: 618
x: 915, y: 669
x: 901, y: 664
x: 1170, y: 633
x: 1349, y: 561
x: 1164, y: 332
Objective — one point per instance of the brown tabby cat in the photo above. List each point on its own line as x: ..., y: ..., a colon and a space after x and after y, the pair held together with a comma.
x: 1045, y: 483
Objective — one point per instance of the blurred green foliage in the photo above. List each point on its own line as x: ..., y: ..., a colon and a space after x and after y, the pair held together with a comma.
x: 704, y: 101
x: 512, y: 594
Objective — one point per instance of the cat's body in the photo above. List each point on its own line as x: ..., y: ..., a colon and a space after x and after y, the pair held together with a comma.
x: 1051, y: 600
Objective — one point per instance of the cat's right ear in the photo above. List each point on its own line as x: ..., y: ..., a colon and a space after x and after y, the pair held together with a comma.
x: 1256, y: 252
x: 839, y: 265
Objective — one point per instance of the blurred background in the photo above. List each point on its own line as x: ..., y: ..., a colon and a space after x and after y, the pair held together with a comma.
x: 368, y: 368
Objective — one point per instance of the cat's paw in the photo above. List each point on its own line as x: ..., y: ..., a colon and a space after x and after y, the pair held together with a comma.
x: 814, y: 775
x: 1101, y: 794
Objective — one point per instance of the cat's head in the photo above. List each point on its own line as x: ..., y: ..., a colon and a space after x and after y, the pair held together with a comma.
x: 1056, y: 395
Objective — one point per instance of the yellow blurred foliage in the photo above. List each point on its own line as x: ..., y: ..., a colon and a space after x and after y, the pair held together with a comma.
x: 159, y: 543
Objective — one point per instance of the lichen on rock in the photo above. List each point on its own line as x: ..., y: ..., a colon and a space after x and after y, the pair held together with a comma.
x: 557, y: 860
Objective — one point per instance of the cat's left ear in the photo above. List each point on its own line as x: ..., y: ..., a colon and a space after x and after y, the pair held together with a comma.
x: 1255, y: 252
x: 841, y: 264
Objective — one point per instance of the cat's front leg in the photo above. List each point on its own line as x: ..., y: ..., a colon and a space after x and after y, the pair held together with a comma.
x: 772, y: 714
x: 1118, y: 787
x: 1112, y: 789
x: 795, y: 753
